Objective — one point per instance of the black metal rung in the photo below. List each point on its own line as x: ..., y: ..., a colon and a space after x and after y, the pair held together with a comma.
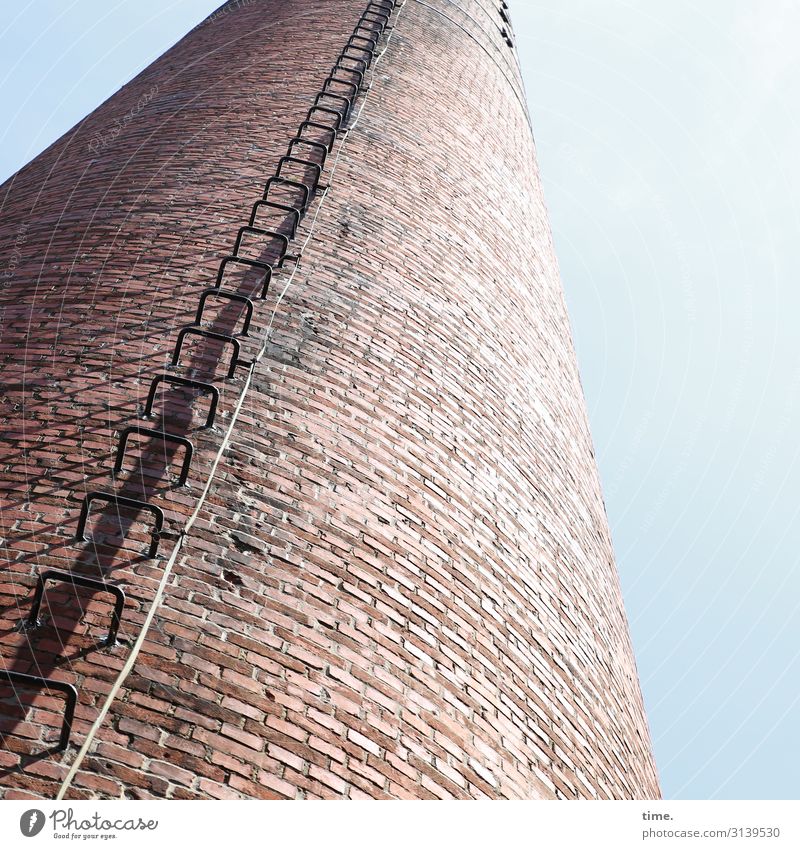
x: 122, y: 501
x: 325, y: 109
x: 207, y: 334
x: 184, y: 381
x: 314, y: 145
x: 318, y: 126
x: 285, y: 181
x: 355, y: 37
x: 351, y: 86
x: 78, y: 581
x: 164, y: 436
x: 352, y: 45
x: 305, y: 163
x: 370, y: 54
x: 258, y: 231
x: 328, y: 91
x: 382, y: 16
x: 378, y: 13
x: 290, y: 210
x: 36, y: 682
x: 370, y: 25
x: 342, y: 113
x: 230, y: 296
x: 338, y: 69
x: 364, y: 65
x: 372, y: 37
x: 253, y: 263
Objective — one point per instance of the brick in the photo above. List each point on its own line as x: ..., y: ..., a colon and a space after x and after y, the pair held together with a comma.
x: 172, y: 772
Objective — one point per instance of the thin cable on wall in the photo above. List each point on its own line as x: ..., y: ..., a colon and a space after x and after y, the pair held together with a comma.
x: 362, y: 91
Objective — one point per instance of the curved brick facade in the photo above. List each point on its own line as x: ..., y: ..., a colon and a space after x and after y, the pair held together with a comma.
x: 401, y: 582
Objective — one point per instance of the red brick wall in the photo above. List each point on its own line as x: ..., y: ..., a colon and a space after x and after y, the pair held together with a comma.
x: 401, y: 583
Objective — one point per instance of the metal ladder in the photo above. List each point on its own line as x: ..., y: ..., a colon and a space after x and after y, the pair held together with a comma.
x: 289, y: 193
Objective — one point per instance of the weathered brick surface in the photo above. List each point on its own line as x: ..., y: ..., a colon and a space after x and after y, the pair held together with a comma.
x: 401, y: 584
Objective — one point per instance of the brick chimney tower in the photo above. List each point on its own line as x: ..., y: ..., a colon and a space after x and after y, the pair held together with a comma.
x: 298, y: 493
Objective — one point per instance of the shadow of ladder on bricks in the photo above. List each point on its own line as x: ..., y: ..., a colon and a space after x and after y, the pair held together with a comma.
x: 288, y: 195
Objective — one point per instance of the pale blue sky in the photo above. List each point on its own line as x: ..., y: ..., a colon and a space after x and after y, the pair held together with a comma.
x: 668, y: 146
